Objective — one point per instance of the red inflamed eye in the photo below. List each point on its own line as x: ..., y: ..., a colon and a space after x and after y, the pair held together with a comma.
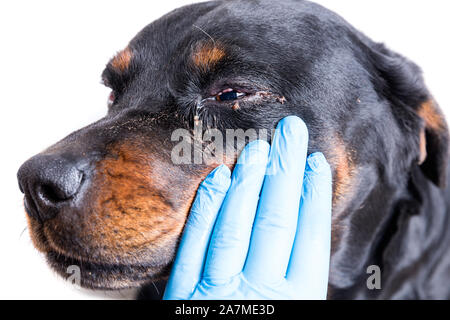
x: 229, y: 95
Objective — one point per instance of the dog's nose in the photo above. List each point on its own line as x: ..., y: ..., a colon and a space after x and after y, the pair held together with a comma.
x: 49, y: 183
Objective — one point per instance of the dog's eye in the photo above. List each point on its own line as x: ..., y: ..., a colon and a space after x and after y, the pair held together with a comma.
x: 229, y: 95
x: 111, y: 98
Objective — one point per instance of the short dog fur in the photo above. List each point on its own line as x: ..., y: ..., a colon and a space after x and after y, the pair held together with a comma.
x: 109, y: 199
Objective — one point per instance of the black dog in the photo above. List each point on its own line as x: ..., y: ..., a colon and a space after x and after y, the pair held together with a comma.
x: 109, y: 199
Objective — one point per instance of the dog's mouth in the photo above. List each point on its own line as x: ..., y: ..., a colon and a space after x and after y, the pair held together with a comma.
x: 94, y: 274
x: 103, y: 276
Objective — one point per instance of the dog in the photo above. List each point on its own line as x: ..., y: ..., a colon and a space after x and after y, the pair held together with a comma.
x: 109, y: 199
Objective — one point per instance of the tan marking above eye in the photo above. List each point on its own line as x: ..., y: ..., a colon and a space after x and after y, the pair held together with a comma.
x: 121, y: 61
x: 207, y: 55
x: 432, y: 117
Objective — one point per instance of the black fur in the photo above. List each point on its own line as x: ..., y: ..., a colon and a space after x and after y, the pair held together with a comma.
x: 345, y: 87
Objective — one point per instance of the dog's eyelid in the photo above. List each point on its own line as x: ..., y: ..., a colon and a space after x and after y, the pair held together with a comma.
x: 227, y: 95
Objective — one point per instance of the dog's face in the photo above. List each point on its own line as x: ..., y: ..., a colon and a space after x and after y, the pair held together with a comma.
x: 109, y: 198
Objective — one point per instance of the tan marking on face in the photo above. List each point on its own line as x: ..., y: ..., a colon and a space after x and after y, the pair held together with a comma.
x: 121, y: 61
x: 343, y: 176
x: 423, y: 147
x: 340, y: 160
x: 207, y: 56
x: 433, y: 118
x: 339, y: 156
x: 133, y: 209
x: 143, y: 202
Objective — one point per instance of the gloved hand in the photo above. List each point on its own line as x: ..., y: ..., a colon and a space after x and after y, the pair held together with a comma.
x: 258, y: 236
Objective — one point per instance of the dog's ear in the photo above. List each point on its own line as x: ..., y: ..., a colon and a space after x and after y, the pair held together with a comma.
x: 403, y: 85
x: 434, y: 142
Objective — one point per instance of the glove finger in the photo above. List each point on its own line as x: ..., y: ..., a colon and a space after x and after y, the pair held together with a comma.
x: 229, y: 242
x: 310, y: 259
x: 191, y: 253
x: 276, y: 219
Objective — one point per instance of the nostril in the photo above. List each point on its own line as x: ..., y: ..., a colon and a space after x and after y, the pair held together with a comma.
x: 52, y: 194
x: 61, y: 188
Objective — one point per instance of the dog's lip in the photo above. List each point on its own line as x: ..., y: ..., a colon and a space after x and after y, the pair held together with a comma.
x: 97, y: 275
x: 104, y: 276
x: 68, y: 260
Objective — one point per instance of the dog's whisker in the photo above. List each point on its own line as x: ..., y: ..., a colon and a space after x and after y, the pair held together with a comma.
x: 21, y: 234
x: 156, y: 288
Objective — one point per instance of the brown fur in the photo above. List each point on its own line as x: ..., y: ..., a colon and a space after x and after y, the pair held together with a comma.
x: 207, y: 55
x: 122, y: 60
x: 341, y: 161
x: 433, y: 118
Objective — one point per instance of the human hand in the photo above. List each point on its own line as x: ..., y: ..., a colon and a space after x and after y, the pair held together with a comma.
x: 258, y: 236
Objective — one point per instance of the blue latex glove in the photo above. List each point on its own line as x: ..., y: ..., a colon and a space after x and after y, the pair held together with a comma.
x: 258, y: 236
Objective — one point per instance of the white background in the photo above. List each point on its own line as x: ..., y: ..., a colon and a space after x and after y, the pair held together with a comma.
x: 53, y: 52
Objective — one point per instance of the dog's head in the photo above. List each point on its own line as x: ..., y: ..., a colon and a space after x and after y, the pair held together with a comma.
x: 109, y: 197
